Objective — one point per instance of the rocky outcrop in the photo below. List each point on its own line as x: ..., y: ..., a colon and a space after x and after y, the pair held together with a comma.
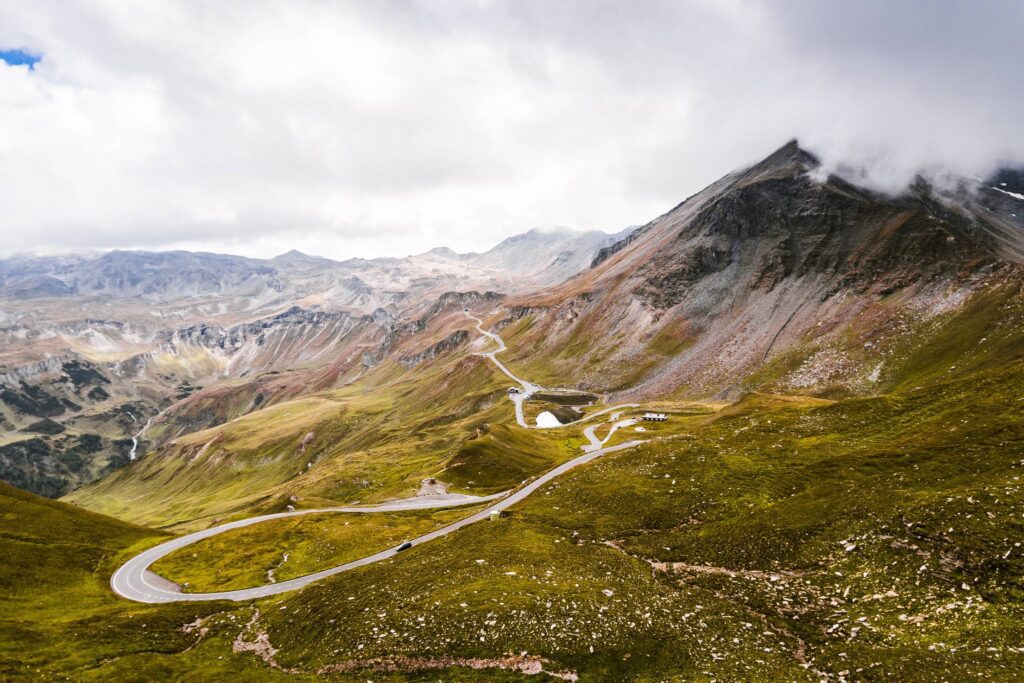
x: 515, y: 313
x: 14, y: 377
x: 776, y: 221
x: 454, y: 301
x: 449, y: 343
x: 604, y: 253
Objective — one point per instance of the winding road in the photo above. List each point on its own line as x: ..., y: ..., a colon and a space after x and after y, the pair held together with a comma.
x: 595, y: 442
x: 134, y: 581
x: 529, y: 388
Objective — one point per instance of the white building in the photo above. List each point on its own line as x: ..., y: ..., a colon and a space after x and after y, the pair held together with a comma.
x: 655, y: 417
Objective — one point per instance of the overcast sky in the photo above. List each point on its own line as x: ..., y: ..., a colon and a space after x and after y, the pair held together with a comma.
x: 388, y: 128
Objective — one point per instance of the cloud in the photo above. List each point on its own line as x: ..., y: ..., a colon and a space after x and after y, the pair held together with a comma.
x: 388, y: 128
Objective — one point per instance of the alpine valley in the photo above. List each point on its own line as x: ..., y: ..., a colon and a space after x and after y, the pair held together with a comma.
x: 776, y: 433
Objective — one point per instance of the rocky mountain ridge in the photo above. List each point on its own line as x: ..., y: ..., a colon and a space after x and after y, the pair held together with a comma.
x: 771, y: 278
x: 768, y: 259
x: 537, y: 257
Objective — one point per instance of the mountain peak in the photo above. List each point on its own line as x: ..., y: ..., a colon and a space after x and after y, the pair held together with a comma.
x: 292, y: 254
x: 789, y: 158
x: 445, y: 252
x: 295, y: 257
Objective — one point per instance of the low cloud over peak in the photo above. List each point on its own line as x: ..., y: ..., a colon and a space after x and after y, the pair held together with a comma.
x: 387, y: 129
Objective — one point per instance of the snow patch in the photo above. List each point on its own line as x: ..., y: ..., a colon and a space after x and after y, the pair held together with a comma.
x: 1012, y: 194
x: 547, y: 419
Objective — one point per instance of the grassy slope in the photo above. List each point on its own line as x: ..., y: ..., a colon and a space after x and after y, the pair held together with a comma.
x: 766, y: 488
x: 294, y: 547
x: 373, y: 440
x: 59, y: 620
x: 870, y: 535
x: 924, y: 485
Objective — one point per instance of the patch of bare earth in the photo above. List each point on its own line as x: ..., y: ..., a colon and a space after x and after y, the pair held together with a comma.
x: 432, y: 487
x: 259, y: 645
x: 198, y: 628
x: 525, y: 664
x: 253, y: 640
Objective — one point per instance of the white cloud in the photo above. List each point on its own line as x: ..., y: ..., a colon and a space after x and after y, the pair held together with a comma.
x: 358, y: 129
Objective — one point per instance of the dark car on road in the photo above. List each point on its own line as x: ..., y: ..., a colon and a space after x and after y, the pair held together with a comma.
x: 404, y: 546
